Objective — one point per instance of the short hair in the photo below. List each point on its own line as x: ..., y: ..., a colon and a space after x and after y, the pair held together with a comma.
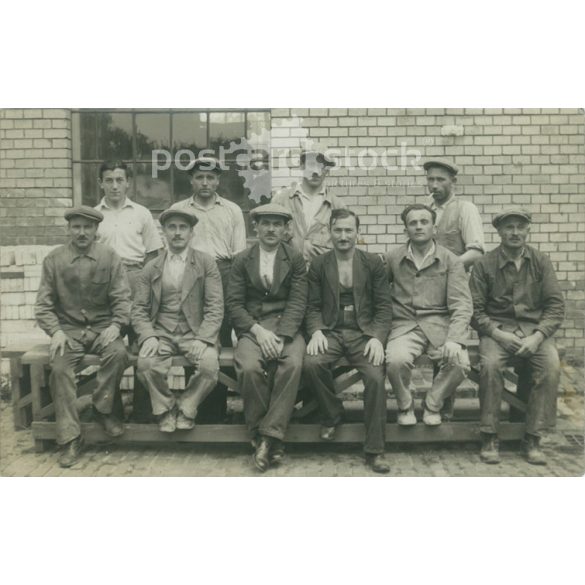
x: 112, y: 165
x: 417, y: 207
x: 343, y: 214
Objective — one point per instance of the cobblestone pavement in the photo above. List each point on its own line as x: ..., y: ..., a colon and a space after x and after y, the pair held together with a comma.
x: 564, y: 449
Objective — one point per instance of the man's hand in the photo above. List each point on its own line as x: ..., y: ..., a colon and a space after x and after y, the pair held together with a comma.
x: 530, y: 344
x: 196, y: 350
x: 58, y: 343
x: 374, y: 351
x: 270, y: 344
x: 318, y: 343
x: 455, y: 355
x: 509, y: 341
x: 108, y: 335
x: 149, y: 347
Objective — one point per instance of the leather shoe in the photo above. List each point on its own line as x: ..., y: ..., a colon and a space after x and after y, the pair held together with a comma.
x: 377, y: 463
x: 534, y: 454
x: 261, y: 457
x: 327, y: 433
x: 71, y: 452
x: 111, y: 425
x: 276, y: 452
x: 490, y: 452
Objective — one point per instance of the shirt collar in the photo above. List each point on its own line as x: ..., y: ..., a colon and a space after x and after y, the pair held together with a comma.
x: 504, y: 258
x: 91, y: 253
x: 182, y: 255
x: 103, y: 205
x: 432, y: 252
x: 433, y: 204
x: 218, y: 201
x: 298, y: 190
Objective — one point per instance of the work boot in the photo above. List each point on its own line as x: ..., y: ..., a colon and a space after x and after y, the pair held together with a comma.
x: 110, y: 423
x: 261, y: 457
x: 489, y: 448
x: 377, y: 463
x: 327, y: 433
x: 71, y: 452
x: 276, y: 452
x: 534, y: 454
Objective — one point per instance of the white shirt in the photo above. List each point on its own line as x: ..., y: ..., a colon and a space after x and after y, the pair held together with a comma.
x: 267, y: 266
x: 175, y: 266
x: 430, y: 253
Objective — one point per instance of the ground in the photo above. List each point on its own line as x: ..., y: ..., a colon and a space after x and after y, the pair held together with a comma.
x: 564, y: 448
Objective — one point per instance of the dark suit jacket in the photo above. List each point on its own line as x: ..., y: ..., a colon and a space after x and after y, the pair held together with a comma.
x: 373, y: 305
x: 201, y: 297
x: 249, y: 302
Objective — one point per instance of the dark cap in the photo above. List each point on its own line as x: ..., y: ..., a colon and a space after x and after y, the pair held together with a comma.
x: 205, y: 163
x: 511, y: 211
x: 84, y: 211
x: 271, y: 209
x: 441, y: 162
x: 183, y: 213
x: 320, y: 157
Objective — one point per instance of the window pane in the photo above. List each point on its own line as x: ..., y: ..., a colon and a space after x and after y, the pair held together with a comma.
x: 84, y: 136
x: 189, y: 132
x: 153, y: 131
x: 152, y: 192
x: 225, y: 128
x: 114, y: 136
x: 85, y: 184
x: 259, y: 124
x: 182, y: 185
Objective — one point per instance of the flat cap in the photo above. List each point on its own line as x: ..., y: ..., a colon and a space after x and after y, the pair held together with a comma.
x: 271, y: 209
x: 183, y: 213
x: 315, y: 155
x: 205, y: 163
x: 511, y: 211
x: 84, y: 211
x: 441, y: 162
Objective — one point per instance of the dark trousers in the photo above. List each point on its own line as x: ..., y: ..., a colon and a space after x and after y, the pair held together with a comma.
x: 114, y: 360
x: 317, y: 371
x: 544, y: 371
x: 225, y: 332
x: 269, y: 388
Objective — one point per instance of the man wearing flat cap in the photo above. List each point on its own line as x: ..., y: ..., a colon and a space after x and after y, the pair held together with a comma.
x: 458, y: 226
x: 178, y: 310
x: 82, y: 303
x: 518, y: 306
x: 221, y: 231
x: 267, y: 295
x: 310, y: 204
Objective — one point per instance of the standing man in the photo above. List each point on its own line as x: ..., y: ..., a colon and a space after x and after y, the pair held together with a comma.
x: 349, y: 314
x: 221, y: 231
x: 82, y: 303
x: 518, y: 305
x: 458, y: 225
x: 310, y: 205
x: 431, y: 311
x: 128, y: 227
x: 178, y: 310
x: 266, y: 300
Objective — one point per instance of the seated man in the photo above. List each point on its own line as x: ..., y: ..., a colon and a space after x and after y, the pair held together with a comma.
x: 82, y: 303
x: 518, y: 305
x: 349, y: 314
x: 267, y: 295
x: 178, y: 309
x: 431, y: 311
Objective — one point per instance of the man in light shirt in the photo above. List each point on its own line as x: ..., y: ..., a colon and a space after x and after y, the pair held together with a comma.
x: 128, y: 227
x: 431, y: 312
x: 221, y: 230
x: 178, y: 309
x: 267, y: 296
x: 310, y: 204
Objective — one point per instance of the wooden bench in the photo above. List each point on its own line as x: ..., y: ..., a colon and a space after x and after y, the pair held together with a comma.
x: 33, y: 407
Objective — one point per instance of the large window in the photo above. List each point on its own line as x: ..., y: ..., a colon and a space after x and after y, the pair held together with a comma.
x: 133, y: 136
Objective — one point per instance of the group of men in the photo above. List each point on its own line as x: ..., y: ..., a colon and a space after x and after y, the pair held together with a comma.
x: 299, y: 299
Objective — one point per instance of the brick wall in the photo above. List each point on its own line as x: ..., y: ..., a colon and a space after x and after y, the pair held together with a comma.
x: 507, y: 156
x: 35, y: 175
x: 529, y: 157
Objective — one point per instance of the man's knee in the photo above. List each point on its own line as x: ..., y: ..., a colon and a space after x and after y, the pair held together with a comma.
x: 61, y: 367
x: 373, y: 375
x: 209, y: 363
x: 397, y: 358
x: 116, y: 351
x: 313, y: 363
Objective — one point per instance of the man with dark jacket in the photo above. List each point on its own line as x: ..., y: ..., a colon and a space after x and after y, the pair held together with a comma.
x: 178, y: 309
x: 82, y: 303
x: 349, y: 314
x: 267, y: 295
x: 518, y: 306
